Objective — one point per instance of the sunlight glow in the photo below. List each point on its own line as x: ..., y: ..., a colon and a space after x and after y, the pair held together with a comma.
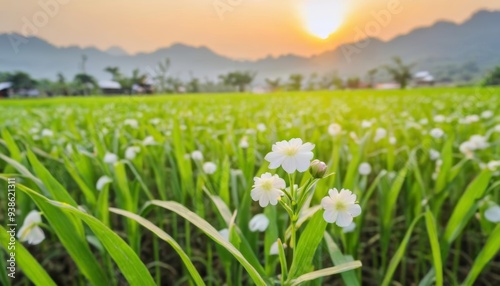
x: 322, y: 17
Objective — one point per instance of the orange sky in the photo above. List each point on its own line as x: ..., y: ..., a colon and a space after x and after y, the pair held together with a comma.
x: 250, y: 29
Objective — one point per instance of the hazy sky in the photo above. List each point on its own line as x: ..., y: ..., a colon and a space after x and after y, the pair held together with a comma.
x: 237, y: 28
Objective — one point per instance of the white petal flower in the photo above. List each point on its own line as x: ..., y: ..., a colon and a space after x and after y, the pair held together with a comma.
x: 437, y: 133
x: 439, y: 118
x: 150, y: 140
x: 497, y: 128
x: 365, y: 169
x: 267, y: 189
x: 349, y: 228
x: 261, y: 127
x: 30, y: 231
x: 154, y: 121
x: 291, y: 155
x: 131, y: 152
x: 47, y: 133
x: 197, y: 155
x: 366, y: 124
x: 487, y: 114
x: 132, y: 123
x: 393, y: 140
x: 103, y: 181
x: 334, y: 129
x: 209, y: 168
x: 244, y: 142
x: 380, y: 134
x: 259, y: 222
x: 434, y: 154
x: 493, y: 214
x: 274, y: 250
x: 225, y: 233
x: 110, y: 158
x: 479, y: 142
x: 340, y: 207
x: 493, y: 165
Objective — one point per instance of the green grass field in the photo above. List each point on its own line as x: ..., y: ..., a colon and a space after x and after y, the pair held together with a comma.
x: 124, y: 201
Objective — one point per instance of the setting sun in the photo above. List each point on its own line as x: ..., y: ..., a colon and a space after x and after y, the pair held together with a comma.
x: 322, y: 17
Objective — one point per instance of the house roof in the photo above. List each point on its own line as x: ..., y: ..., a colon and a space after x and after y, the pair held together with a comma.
x: 5, y: 85
x: 109, y: 84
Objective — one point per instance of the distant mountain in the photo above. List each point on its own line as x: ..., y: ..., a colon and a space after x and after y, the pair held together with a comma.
x: 475, y: 42
x: 116, y: 51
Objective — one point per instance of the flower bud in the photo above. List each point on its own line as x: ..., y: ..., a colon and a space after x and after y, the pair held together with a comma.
x: 318, y: 169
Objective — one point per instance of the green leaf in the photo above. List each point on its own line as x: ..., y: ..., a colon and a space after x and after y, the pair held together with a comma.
x: 211, y: 232
x: 326, y: 272
x: 308, y: 243
x: 490, y: 249
x: 436, y: 251
x: 70, y: 237
x: 338, y: 259
x: 399, y: 253
x: 30, y: 267
x: 167, y: 238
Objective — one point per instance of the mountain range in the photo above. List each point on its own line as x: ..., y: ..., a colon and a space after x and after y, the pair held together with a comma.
x: 433, y: 48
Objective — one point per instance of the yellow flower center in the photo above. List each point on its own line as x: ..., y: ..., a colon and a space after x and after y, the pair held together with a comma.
x: 340, y: 206
x: 291, y: 151
x: 267, y: 185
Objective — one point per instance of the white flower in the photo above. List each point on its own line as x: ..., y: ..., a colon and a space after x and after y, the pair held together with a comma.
x: 493, y: 214
x: 131, y: 152
x: 225, y: 233
x: 150, y: 140
x: 334, y: 129
x: 110, y: 158
x: 439, y: 118
x: 340, y: 207
x: 30, y: 231
x: 497, y: 128
x: 132, y: 123
x: 467, y: 148
x: 47, y: 133
x: 267, y: 189
x: 365, y: 169
x: 366, y: 124
x: 424, y: 121
x: 259, y: 222
x: 154, y: 121
x: 487, y: 114
x: 479, y: 142
x: 261, y: 127
x: 349, y: 228
x: 209, y: 168
x: 493, y: 165
x: 103, y: 181
x: 274, y: 250
x: 291, y: 155
x: 437, y: 133
x: 393, y: 140
x: 434, y: 154
x: 380, y: 134
x: 244, y: 142
x: 197, y: 155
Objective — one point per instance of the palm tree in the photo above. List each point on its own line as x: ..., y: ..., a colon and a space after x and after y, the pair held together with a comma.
x: 273, y: 84
x: 400, y: 72
x: 114, y: 71
x: 85, y: 82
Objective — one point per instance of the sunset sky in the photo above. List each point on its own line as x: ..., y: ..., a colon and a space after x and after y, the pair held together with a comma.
x: 248, y: 29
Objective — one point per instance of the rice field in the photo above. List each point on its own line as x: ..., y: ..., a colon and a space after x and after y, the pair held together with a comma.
x: 403, y: 189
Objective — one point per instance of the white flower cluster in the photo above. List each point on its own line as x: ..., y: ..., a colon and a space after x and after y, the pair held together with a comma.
x: 292, y: 156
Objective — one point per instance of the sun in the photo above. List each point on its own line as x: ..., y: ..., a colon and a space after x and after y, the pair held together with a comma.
x: 322, y: 17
